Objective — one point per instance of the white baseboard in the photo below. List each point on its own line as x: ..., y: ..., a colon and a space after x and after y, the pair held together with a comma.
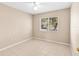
x: 12, y: 45
x: 62, y: 43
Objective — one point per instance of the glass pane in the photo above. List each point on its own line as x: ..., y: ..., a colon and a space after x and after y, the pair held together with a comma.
x: 44, y: 23
x: 53, y: 23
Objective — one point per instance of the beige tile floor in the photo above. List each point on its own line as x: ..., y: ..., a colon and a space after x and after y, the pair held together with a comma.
x: 37, y: 48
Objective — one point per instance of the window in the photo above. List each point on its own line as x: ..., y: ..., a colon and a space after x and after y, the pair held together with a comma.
x: 49, y: 24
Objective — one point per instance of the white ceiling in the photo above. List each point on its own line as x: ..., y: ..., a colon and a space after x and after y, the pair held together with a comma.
x: 44, y: 6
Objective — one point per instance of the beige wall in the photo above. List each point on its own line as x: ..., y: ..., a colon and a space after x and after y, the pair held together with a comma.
x: 63, y: 26
x: 75, y: 27
x: 14, y: 25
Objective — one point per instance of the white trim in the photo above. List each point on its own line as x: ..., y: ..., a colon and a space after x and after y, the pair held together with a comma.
x: 61, y: 43
x: 12, y: 45
x: 42, y: 39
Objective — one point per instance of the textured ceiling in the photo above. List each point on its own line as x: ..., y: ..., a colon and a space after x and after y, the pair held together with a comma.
x: 43, y: 6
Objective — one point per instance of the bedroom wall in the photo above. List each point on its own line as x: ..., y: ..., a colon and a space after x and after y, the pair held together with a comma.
x: 75, y: 28
x: 63, y: 33
x: 14, y: 25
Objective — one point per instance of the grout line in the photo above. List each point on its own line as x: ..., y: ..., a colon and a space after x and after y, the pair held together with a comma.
x: 12, y: 45
x: 66, y: 44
